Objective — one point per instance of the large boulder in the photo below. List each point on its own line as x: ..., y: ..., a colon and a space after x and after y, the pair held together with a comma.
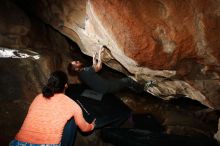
x: 173, y: 46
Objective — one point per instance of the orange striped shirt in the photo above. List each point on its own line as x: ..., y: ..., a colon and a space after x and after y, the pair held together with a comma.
x: 46, y: 119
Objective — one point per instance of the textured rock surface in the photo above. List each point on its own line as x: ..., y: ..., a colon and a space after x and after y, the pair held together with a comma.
x: 22, y: 34
x: 174, y: 43
x: 182, y: 117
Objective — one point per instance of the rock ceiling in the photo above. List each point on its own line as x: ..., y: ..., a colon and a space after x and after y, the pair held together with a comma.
x: 173, y: 46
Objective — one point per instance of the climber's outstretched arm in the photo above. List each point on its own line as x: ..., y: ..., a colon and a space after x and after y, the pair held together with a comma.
x: 97, y: 65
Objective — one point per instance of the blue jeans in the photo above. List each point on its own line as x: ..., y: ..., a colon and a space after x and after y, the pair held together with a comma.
x: 69, y: 133
x: 19, y: 143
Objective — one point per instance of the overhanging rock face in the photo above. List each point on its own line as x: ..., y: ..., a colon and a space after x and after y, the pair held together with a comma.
x: 174, y: 46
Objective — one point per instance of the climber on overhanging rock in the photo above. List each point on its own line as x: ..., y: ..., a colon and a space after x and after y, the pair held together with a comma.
x: 89, y: 76
x: 104, y: 113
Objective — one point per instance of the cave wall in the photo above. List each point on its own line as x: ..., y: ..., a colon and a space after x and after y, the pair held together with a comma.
x: 175, y: 44
x: 27, y: 35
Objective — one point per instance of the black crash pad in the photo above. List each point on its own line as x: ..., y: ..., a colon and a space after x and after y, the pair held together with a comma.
x: 109, y: 111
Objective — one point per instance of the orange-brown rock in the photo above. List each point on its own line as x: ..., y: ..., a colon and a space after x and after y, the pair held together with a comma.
x: 173, y: 43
